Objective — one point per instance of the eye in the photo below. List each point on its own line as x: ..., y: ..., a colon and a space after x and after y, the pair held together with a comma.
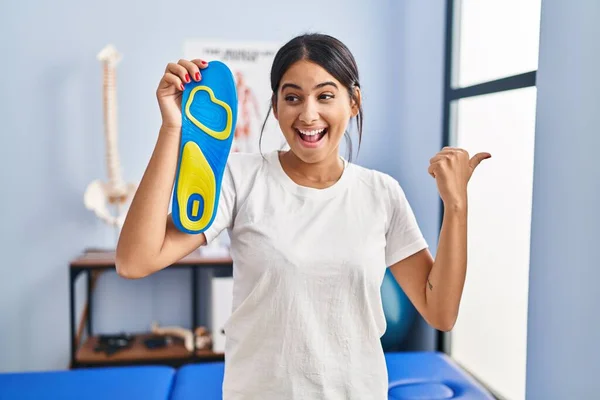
x: 290, y: 98
x: 326, y: 96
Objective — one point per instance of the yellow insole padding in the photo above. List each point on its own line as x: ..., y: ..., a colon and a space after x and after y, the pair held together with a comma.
x: 195, y: 176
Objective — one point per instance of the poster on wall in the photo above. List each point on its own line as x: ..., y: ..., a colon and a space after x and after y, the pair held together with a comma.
x: 250, y: 63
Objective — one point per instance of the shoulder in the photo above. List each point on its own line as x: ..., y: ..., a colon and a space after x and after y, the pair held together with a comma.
x: 244, y: 165
x: 376, y: 181
x: 379, y: 190
x: 242, y: 171
x: 385, y: 191
x: 244, y: 161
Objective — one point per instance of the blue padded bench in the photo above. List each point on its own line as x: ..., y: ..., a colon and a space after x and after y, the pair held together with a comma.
x: 113, y: 383
x: 199, y: 381
x: 432, y: 376
x: 412, y: 376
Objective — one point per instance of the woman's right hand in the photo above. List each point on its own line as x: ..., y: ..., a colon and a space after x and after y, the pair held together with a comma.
x: 170, y: 89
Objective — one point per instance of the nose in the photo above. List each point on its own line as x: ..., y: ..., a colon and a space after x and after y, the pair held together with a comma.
x: 309, y: 112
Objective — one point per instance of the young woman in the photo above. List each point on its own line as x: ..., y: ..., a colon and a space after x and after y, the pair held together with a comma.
x: 311, y: 236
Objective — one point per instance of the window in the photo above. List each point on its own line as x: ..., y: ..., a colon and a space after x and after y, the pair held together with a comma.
x: 497, y: 39
x: 490, y: 105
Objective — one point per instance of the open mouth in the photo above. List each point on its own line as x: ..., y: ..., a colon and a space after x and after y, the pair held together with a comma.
x: 312, y: 136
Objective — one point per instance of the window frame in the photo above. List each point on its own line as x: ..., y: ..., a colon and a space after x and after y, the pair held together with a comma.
x: 452, y: 95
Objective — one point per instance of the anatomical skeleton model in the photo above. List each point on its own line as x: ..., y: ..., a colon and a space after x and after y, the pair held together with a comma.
x: 100, y: 196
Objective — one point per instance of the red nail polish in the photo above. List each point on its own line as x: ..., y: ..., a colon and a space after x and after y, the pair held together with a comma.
x: 187, y: 77
x: 197, y: 76
x: 204, y: 62
x: 182, y: 87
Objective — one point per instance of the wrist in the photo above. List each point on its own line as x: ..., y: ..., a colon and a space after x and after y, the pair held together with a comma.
x: 168, y: 130
x: 456, y: 206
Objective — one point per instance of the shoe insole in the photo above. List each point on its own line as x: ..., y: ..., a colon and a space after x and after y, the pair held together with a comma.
x: 209, y: 115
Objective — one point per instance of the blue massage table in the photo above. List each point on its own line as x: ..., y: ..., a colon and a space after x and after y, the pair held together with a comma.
x: 193, y: 379
x: 412, y: 376
x: 432, y: 376
x: 114, y: 383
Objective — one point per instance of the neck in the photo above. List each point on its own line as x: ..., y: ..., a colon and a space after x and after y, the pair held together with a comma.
x: 320, y: 174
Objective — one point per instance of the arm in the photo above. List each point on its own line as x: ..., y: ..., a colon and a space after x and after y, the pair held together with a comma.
x: 149, y: 240
x: 435, y: 286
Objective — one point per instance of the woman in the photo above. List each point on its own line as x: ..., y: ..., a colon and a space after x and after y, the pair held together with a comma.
x: 311, y: 236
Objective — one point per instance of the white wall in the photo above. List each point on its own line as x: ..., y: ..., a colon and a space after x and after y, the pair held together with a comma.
x: 413, y: 131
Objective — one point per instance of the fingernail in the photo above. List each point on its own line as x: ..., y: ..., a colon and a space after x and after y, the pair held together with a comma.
x: 182, y: 87
x: 187, y: 77
x: 197, y: 76
x: 204, y: 62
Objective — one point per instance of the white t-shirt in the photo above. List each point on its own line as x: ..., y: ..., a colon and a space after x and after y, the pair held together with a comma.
x: 308, y: 267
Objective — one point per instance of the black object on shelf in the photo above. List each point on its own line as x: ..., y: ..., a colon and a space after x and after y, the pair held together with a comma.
x: 157, y: 342
x: 110, y: 344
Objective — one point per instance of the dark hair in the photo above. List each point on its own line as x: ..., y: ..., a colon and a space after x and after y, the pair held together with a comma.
x: 333, y: 56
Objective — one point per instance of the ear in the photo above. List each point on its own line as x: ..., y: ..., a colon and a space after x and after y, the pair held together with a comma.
x: 355, y: 104
x: 274, y: 105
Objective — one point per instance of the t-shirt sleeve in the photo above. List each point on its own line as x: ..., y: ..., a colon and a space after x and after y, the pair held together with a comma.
x: 226, y: 208
x: 403, y: 235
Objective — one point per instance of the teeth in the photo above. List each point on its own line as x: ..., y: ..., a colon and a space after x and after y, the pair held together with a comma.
x: 311, y: 133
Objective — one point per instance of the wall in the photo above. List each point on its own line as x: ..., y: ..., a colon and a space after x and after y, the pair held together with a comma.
x: 562, y: 359
x: 415, y: 127
x: 51, y: 113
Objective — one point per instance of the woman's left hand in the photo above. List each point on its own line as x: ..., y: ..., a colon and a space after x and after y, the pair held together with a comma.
x: 452, y: 169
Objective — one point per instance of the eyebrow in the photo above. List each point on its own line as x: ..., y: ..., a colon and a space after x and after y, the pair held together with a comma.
x: 320, y: 85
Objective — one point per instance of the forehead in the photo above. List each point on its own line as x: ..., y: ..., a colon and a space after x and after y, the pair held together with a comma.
x: 307, y: 75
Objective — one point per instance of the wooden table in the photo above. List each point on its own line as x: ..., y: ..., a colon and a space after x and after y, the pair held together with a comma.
x: 175, y: 354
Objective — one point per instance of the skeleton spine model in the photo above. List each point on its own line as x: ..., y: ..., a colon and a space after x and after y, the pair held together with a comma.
x: 100, y: 196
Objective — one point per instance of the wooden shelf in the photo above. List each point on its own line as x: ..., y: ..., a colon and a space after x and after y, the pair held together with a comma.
x: 138, y: 353
x: 209, y: 355
x: 91, y: 262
